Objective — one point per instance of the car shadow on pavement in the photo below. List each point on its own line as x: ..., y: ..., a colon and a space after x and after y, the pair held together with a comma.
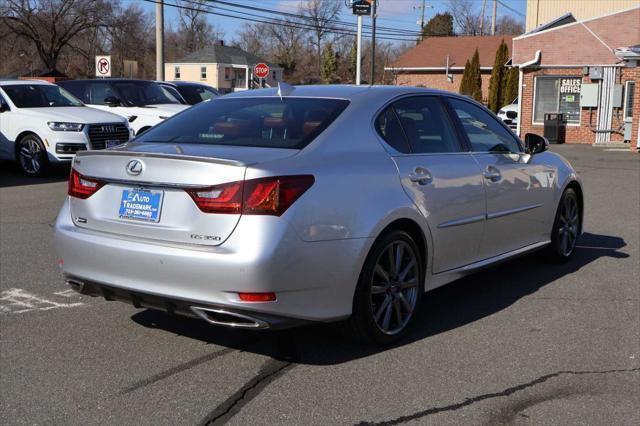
x: 446, y: 308
x: 10, y: 175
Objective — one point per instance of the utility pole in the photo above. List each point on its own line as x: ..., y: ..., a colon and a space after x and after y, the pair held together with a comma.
x: 159, y: 40
x: 484, y: 5
x: 493, y: 17
x: 373, y: 42
x: 359, y: 51
x: 422, y: 17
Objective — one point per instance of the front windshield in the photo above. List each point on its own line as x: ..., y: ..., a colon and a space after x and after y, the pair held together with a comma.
x: 40, y: 96
x: 140, y: 93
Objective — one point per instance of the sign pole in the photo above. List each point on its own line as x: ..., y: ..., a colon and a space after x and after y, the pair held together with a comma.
x: 359, y: 51
x: 373, y: 43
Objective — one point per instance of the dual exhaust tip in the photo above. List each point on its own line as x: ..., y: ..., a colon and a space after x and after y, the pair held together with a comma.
x: 229, y: 319
x: 217, y: 316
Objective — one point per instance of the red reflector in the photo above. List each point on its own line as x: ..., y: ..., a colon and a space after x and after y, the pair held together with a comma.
x: 81, y: 186
x: 257, y: 297
x: 264, y: 196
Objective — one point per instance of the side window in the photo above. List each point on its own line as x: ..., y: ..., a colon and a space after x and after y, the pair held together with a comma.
x: 485, y: 133
x: 389, y: 128
x: 3, y: 102
x: 79, y: 90
x: 100, y: 91
x: 426, y: 124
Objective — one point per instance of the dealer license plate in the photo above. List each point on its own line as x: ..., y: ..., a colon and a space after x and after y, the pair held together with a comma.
x: 141, y: 204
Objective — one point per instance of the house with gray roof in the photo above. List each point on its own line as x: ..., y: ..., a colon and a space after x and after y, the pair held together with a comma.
x: 227, y: 68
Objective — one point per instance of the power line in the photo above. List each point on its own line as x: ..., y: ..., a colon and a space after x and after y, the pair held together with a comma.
x: 333, y: 30
x: 517, y: 12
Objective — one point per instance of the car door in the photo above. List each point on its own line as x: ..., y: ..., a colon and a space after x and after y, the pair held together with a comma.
x: 518, y: 190
x: 441, y: 178
x: 6, y: 144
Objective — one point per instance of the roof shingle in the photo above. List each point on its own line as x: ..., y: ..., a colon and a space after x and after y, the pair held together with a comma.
x: 432, y: 51
x: 219, y: 54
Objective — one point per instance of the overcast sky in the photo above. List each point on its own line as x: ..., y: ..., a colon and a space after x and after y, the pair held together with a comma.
x: 403, y: 14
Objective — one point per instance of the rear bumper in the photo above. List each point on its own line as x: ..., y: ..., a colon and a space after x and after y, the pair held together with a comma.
x: 313, y: 281
x: 214, y: 314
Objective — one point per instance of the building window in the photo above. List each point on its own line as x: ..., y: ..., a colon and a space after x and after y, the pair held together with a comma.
x: 203, y: 73
x: 176, y: 73
x: 630, y: 86
x: 557, y: 94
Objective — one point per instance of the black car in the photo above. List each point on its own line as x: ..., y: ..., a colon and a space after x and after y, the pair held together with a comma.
x: 191, y: 93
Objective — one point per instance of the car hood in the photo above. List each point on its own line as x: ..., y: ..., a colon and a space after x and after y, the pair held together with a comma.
x: 244, y: 154
x: 82, y: 114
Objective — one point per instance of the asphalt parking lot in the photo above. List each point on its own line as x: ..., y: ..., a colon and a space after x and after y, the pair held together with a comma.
x: 525, y: 342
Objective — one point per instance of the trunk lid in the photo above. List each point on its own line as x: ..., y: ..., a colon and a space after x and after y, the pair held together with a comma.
x: 165, y: 171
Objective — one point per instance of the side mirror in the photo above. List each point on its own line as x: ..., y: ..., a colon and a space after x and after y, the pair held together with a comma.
x: 535, y: 144
x: 512, y: 114
x: 112, y: 101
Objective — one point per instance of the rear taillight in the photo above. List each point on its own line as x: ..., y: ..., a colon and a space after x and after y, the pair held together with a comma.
x: 264, y: 196
x: 81, y: 186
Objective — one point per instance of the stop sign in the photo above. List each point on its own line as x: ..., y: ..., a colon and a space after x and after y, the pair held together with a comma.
x: 261, y: 70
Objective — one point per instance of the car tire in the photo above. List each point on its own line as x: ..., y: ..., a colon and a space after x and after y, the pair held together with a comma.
x: 388, y: 291
x: 32, y: 156
x: 566, y: 227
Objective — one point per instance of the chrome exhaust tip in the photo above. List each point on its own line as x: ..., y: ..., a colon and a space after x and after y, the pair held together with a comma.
x: 76, y: 285
x: 228, y: 319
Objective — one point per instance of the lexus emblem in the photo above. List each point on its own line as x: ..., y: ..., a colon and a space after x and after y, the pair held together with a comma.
x: 135, y: 167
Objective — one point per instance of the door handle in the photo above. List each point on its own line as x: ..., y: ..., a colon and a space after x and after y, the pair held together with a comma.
x: 492, y: 174
x: 421, y: 176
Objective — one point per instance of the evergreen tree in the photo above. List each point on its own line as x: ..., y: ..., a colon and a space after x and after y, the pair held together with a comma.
x: 440, y: 25
x: 353, y: 60
x: 466, y: 77
x: 511, y: 86
x: 498, y: 82
x: 475, y: 81
x: 329, y: 65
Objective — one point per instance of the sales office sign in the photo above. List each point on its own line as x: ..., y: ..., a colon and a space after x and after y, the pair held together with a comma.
x: 569, y: 87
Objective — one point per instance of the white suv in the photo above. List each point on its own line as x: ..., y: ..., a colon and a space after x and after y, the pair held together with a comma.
x: 144, y: 103
x: 40, y: 124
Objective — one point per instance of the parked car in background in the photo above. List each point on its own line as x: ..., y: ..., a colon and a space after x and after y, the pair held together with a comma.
x: 509, y: 114
x: 42, y: 124
x: 275, y: 207
x: 191, y: 92
x: 144, y: 103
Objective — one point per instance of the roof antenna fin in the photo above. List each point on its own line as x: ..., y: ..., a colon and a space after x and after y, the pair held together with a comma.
x: 284, y: 89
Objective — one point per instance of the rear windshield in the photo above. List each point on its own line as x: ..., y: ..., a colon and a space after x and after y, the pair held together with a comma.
x: 259, y: 122
x: 40, y: 96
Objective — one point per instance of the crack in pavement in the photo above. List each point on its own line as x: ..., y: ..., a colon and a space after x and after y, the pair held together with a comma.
x: 175, y: 370
x: 505, y: 392
x: 269, y: 372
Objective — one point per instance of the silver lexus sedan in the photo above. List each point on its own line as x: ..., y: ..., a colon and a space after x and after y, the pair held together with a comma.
x: 277, y: 207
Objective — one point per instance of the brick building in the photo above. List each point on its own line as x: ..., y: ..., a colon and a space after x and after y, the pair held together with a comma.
x: 438, y: 62
x: 587, y: 71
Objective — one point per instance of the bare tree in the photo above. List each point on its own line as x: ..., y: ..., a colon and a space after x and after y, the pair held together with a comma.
x: 465, y: 16
x: 52, y: 24
x: 509, y: 25
x: 196, y: 31
x: 320, y: 15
